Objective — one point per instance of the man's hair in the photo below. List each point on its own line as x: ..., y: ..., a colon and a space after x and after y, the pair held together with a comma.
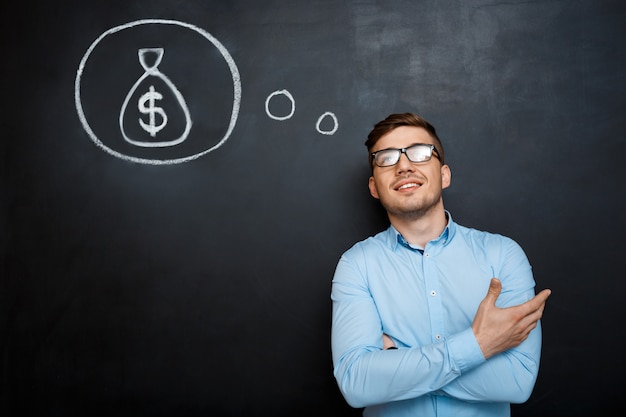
x: 402, y: 119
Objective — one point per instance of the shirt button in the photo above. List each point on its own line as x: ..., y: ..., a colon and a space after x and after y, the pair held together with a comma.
x: 438, y: 336
x: 427, y: 255
x: 433, y: 293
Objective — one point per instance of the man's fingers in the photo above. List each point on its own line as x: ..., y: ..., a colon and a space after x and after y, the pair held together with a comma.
x: 538, y: 302
x: 534, y: 308
x: 495, y: 287
x: 544, y: 294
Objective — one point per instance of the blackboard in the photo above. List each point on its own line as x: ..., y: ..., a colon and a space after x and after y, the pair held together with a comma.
x: 193, y: 279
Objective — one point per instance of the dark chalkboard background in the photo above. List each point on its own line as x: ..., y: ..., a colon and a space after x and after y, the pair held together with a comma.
x: 202, y: 288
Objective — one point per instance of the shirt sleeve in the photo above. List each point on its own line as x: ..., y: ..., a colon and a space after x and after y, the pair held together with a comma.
x: 368, y: 375
x: 511, y: 375
x: 507, y: 377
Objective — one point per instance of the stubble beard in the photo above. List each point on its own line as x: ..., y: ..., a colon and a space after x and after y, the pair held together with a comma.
x: 411, y: 211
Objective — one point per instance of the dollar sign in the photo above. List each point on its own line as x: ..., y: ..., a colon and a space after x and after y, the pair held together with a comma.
x: 151, y: 110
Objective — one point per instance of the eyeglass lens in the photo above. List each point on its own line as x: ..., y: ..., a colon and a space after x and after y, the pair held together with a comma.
x: 415, y: 153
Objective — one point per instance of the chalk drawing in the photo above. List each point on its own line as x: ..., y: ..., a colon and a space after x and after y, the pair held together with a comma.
x: 283, y: 93
x: 335, y: 124
x: 225, y: 54
x: 147, y: 102
x: 293, y: 110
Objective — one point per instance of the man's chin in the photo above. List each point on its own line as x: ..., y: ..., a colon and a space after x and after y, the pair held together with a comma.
x: 410, y: 212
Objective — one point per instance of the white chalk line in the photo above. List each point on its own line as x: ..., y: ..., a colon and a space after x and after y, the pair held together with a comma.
x: 225, y: 54
x: 287, y: 94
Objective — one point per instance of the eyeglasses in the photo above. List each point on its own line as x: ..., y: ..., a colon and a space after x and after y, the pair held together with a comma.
x: 419, y: 152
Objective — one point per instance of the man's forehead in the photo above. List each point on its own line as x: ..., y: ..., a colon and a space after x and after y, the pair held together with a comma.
x: 403, y: 136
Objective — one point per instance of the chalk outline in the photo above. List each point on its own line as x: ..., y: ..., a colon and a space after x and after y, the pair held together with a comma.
x: 154, y: 71
x: 319, y: 121
x: 286, y: 94
x: 225, y: 54
x: 293, y: 110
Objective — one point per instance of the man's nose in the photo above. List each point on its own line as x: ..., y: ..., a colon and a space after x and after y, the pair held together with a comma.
x: 404, y: 164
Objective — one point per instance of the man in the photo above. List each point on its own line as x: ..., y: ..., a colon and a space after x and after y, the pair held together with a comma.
x: 413, y: 333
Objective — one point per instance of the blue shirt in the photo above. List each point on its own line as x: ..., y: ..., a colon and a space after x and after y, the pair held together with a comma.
x: 426, y: 302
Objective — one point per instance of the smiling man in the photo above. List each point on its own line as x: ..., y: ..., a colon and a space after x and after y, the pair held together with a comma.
x: 431, y: 318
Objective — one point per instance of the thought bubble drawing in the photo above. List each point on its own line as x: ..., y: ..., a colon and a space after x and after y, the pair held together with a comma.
x: 280, y: 93
x: 154, y: 123
x: 321, y: 119
x: 142, y: 136
x: 288, y: 116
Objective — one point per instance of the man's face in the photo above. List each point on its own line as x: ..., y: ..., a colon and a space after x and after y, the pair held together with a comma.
x: 408, y: 189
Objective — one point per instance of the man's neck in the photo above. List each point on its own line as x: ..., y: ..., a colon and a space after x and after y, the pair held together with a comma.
x: 422, y: 229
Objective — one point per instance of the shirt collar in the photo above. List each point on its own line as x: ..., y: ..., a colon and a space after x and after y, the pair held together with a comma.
x: 395, y: 239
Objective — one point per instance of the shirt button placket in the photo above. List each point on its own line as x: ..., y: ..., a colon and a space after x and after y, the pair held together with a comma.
x: 434, y: 300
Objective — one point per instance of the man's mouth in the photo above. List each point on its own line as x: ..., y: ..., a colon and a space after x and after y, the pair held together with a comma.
x: 408, y: 185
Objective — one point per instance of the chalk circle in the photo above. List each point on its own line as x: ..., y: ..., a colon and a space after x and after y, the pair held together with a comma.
x: 225, y: 54
x: 283, y: 93
x: 335, y: 123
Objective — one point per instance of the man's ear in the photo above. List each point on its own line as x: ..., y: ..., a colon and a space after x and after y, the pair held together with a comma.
x: 446, y: 176
x: 372, y: 187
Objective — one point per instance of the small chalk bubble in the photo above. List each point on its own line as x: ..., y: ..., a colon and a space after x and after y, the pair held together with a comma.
x: 321, y: 120
x: 279, y: 93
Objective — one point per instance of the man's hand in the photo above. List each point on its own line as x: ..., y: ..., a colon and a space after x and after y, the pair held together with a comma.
x: 499, y: 329
x: 387, y: 342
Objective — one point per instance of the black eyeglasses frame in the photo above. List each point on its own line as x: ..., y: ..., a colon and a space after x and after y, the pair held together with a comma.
x: 433, y: 151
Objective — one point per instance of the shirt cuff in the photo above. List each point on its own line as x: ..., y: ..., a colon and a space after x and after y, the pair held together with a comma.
x: 465, y: 351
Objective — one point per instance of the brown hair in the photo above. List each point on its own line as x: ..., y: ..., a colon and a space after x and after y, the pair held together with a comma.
x: 402, y: 119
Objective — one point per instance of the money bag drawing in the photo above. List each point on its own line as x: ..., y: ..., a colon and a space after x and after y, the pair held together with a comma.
x: 151, y: 103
